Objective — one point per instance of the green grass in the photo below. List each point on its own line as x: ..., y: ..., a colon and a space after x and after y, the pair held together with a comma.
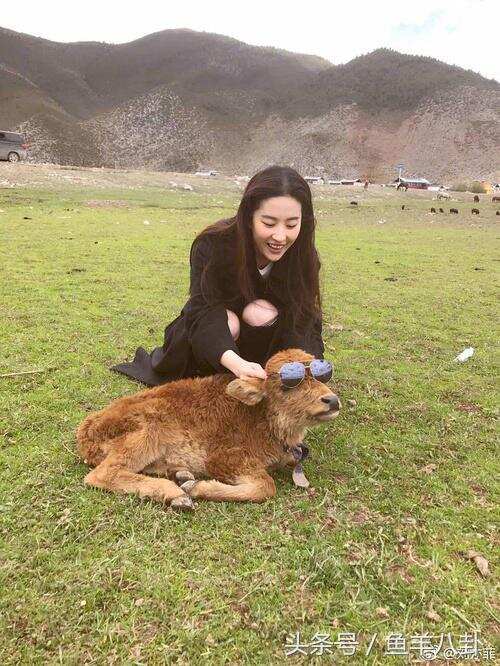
x: 90, y: 577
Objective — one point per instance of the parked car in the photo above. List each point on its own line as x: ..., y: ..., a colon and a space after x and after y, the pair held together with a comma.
x: 12, y: 146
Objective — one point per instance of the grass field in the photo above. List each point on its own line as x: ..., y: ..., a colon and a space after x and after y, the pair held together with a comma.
x: 404, y: 481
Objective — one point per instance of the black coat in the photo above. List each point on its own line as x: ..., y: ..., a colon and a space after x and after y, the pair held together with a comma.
x: 197, y: 338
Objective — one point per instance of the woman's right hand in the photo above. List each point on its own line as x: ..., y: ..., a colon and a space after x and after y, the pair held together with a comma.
x: 241, y: 368
x: 250, y: 369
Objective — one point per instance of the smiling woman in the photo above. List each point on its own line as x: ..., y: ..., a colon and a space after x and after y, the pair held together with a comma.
x: 254, y: 289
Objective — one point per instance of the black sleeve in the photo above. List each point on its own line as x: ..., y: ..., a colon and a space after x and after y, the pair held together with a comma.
x: 206, y: 323
x: 309, y: 337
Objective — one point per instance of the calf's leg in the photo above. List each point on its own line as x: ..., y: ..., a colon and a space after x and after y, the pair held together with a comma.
x: 109, y: 476
x: 118, y: 472
x: 246, y: 488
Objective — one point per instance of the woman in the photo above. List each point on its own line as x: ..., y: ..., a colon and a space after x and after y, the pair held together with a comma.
x: 254, y: 289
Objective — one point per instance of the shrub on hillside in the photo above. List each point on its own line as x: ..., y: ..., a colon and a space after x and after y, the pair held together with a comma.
x: 478, y: 188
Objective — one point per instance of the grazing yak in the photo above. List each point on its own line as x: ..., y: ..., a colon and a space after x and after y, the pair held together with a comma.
x: 495, y: 199
x: 443, y: 195
x: 441, y: 210
x: 433, y: 210
x: 228, y: 432
x: 476, y: 198
x: 454, y: 210
x: 475, y: 211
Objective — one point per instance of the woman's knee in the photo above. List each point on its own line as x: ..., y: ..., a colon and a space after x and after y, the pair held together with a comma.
x: 259, y: 313
x: 234, y: 324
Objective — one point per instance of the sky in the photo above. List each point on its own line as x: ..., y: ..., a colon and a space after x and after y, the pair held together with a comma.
x: 458, y: 32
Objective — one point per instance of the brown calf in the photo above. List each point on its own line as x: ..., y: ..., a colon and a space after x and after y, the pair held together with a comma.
x: 229, y: 431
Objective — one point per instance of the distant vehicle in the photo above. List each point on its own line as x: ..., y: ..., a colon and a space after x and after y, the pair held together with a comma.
x: 207, y: 173
x: 345, y: 181
x: 12, y: 146
x: 315, y: 180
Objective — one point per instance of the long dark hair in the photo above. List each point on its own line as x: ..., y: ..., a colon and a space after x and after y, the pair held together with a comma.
x: 302, y: 261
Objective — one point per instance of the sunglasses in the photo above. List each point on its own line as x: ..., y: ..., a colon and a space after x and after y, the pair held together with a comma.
x: 292, y: 374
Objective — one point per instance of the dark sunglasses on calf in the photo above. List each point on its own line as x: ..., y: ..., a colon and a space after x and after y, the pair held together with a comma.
x: 292, y: 374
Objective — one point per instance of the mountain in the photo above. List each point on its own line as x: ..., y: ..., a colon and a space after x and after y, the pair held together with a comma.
x: 385, y: 80
x: 180, y: 100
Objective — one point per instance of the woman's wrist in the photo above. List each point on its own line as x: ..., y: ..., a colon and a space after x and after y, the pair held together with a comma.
x: 230, y: 360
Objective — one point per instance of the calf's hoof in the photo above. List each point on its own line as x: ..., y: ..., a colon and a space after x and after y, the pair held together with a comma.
x: 182, y: 503
x: 183, y: 475
x: 188, y: 486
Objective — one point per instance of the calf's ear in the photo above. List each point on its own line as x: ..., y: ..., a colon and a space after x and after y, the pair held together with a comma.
x: 249, y: 390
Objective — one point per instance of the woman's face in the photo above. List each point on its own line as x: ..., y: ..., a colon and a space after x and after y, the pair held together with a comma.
x: 276, y: 225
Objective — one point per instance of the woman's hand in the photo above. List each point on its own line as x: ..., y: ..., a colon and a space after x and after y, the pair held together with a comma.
x: 249, y: 369
x: 241, y: 368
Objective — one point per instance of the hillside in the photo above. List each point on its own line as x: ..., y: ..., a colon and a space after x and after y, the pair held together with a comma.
x: 384, y: 80
x: 180, y: 100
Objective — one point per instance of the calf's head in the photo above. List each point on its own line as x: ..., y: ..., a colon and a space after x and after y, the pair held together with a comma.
x: 308, y: 403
